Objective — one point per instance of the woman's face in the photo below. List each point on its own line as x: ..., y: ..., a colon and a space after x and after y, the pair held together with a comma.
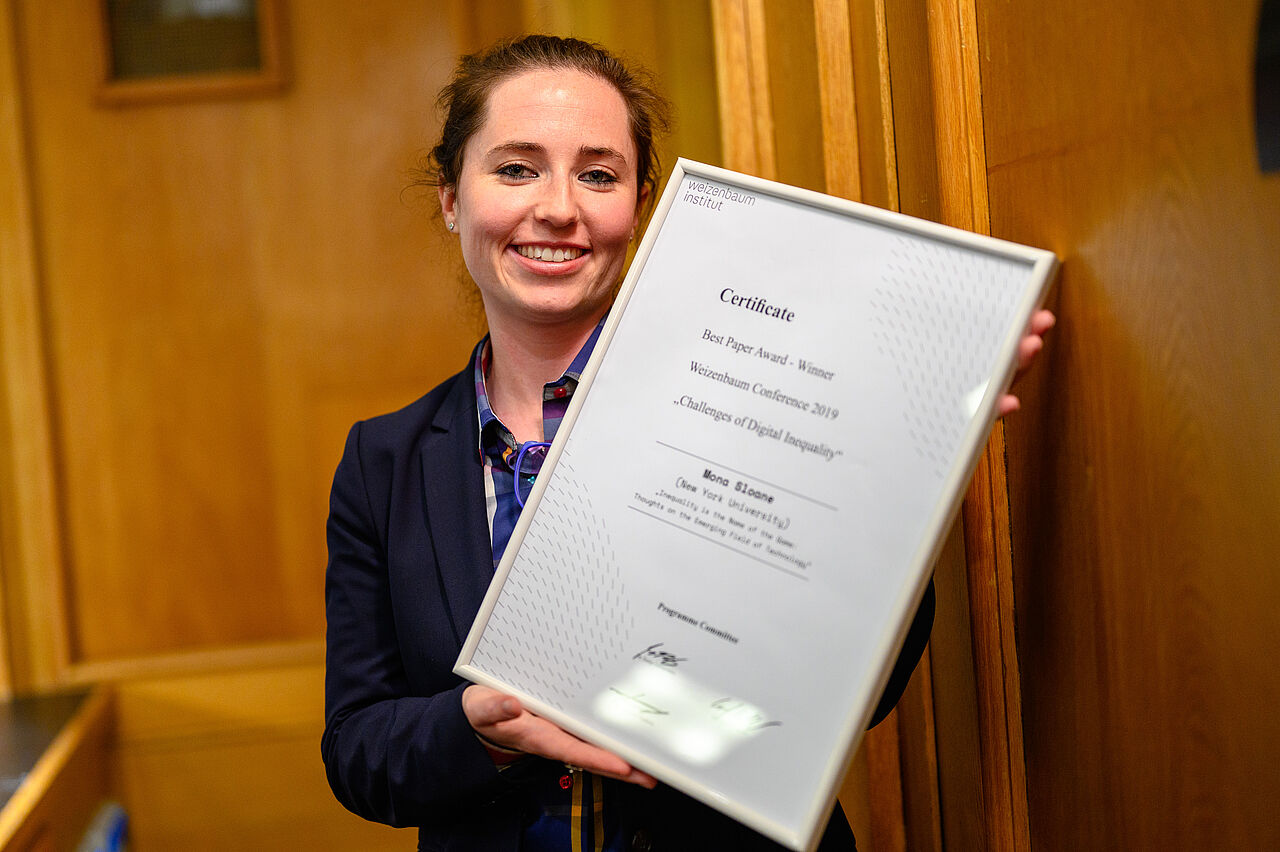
x: 547, y: 198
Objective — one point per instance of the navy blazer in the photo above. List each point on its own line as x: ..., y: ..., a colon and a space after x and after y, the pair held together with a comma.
x: 410, y: 560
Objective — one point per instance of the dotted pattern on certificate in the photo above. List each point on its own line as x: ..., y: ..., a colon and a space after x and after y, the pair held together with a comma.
x: 939, y: 336
x: 563, y: 607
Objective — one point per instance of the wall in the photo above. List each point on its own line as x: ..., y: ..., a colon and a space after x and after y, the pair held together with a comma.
x: 224, y: 285
x: 1135, y: 556
x: 198, y: 299
x: 1145, y: 470
x: 220, y: 288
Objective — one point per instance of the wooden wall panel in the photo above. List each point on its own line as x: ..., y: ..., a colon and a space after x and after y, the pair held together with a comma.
x: 1145, y: 468
x: 226, y: 286
x: 771, y: 101
x: 232, y: 761
x: 29, y: 530
x: 795, y: 93
x: 938, y: 172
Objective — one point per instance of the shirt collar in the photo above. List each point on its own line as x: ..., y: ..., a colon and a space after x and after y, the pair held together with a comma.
x: 496, y: 440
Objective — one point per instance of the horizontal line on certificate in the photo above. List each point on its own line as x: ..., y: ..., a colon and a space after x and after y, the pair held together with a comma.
x: 744, y: 473
x: 795, y: 574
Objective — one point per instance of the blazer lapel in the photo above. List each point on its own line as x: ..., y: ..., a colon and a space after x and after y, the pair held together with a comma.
x: 454, y: 505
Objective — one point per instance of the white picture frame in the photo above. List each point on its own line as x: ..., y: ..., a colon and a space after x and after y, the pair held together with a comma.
x: 570, y: 625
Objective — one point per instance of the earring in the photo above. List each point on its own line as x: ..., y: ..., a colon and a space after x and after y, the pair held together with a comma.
x: 450, y: 226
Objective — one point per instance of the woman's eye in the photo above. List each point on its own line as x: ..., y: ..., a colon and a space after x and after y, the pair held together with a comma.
x: 598, y: 176
x: 516, y: 170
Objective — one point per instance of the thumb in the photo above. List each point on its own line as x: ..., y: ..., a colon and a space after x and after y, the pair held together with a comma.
x: 484, y: 706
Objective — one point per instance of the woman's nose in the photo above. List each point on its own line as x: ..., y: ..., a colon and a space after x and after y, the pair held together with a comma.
x: 556, y: 204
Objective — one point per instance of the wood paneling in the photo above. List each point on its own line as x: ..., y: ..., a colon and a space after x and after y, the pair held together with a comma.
x: 795, y: 95
x: 1145, y: 467
x: 873, y: 104
x: 210, y: 294
x: 956, y: 702
x: 232, y: 761
x: 933, y: 60
x: 833, y: 35
x: 33, y: 643
x: 742, y: 78
x: 225, y: 287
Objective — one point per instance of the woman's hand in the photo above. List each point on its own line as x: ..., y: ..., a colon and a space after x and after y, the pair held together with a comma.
x: 1028, y: 348
x: 501, y: 720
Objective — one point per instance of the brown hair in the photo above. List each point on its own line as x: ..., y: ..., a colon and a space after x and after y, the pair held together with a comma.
x: 465, y: 99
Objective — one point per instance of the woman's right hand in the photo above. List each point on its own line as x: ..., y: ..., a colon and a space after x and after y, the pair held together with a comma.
x: 502, y: 720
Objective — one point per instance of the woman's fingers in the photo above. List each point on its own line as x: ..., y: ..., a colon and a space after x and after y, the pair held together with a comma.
x: 1028, y: 348
x: 549, y: 740
x: 501, y: 720
x: 1042, y: 320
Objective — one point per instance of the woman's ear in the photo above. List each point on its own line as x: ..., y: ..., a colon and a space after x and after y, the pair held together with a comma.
x: 640, y: 204
x: 448, y: 204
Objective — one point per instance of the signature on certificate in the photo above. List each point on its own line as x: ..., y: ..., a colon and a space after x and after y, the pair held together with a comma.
x: 692, y: 719
x: 741, y: 716
x: 642, y: 706
x: 655, y: 656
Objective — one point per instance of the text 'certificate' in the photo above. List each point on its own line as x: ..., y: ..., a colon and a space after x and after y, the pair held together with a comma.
x: 733, y: 529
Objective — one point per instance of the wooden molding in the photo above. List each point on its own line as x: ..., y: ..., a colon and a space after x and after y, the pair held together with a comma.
x: 962, y: 171
x: 889, y: 142
x: 196, y: 662
x: 990, y: 571
x: 742, y: 77
x: 922, y: 804
x: 834, y: 37
x: 884, y: 782
x: 34, y: 613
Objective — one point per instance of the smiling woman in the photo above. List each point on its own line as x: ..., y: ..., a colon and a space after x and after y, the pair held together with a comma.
x: 544, y: 166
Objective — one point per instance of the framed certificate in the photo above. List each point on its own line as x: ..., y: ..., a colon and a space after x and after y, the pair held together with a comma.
x: 742, y: 508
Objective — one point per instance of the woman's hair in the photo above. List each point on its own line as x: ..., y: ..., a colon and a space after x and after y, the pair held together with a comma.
x: 465, y: 99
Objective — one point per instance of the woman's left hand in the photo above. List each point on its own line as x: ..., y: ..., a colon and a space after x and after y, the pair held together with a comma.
x: 1028, y: 348
x: 501, y: 720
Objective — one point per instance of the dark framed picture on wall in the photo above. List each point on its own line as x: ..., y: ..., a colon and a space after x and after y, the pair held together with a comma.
x: 175, y: 50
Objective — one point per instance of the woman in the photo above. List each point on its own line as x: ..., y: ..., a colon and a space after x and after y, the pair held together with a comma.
x: 544, y: 166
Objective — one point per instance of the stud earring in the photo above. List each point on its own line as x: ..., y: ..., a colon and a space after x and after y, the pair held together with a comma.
x: 450, y: 226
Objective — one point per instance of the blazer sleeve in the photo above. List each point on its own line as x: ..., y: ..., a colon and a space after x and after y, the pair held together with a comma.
x: 908, y: 657
x: 392, y: 754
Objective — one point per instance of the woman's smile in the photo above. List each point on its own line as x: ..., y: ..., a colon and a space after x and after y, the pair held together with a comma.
x: 550, y: 254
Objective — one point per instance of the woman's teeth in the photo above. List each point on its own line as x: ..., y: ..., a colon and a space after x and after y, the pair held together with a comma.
x: 552, y: 255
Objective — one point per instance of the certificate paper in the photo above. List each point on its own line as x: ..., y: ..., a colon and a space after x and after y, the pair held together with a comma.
x: 741, y: 511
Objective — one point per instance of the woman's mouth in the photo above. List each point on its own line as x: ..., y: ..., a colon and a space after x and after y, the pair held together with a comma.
x: 550, y: 254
